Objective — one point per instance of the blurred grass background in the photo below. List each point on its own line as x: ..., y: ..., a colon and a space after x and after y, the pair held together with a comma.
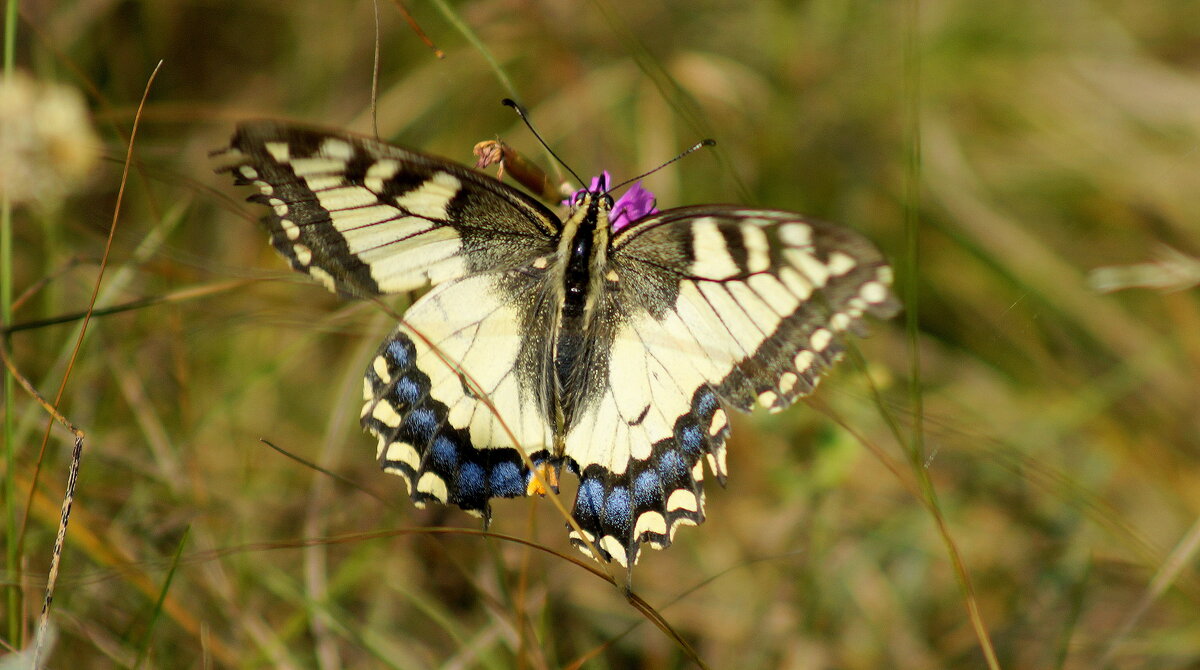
x: 1061, y: 426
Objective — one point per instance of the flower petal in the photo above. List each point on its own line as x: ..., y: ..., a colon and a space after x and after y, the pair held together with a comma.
x: 634, y: 204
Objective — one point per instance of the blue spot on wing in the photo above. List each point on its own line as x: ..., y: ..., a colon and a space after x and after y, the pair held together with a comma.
x: 589, y: 501
x: 672, y: 467
x: 470, y: 482
x: 407, y: 392
x: 400, y: 352
x: 618, y: 514
x: 443, y: 455
x: 647, y: 490
x: 420, y: 426
x: 506, y: 480
x: 691, y: 440
x: 705, y: 403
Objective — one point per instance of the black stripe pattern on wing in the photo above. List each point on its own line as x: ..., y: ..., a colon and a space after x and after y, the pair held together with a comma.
x: 834, y: 276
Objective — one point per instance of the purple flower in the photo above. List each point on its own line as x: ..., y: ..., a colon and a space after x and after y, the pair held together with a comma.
x: 631, y: 206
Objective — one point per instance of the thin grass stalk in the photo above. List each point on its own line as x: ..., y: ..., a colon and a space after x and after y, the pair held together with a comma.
x: 474, y: 40
x: 912, y: 227
x: 43, y: 631
x: 148, y: 637
x: 12, y: 558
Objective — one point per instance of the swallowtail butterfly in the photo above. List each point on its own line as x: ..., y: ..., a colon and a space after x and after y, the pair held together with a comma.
x: 616, y: 353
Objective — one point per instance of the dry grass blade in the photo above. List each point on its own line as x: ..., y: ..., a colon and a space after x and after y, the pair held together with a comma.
x: 1180, y: 559
x: 417, y: 30
x: 922, y: 490
x: 141, y: 303
x: 43, y: 629
x: 50, y: 409
x: 77, y: 453
x: 345, y: 481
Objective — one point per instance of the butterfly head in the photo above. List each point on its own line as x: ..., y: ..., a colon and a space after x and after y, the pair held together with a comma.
x: 634, y: 204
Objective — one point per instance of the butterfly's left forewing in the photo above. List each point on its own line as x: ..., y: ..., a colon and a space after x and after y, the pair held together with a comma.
x: 368, y: 218
x: 718, y: 308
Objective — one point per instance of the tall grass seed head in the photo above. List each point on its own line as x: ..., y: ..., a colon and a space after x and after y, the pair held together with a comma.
x: 47, y: 144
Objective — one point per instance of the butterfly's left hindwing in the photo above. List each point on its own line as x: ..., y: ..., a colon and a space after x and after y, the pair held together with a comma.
x: 367, y: 218
x: 449, y: 398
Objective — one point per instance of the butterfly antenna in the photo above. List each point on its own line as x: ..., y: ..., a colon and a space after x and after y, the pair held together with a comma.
x: 509, y: 102
x: 695, y: 147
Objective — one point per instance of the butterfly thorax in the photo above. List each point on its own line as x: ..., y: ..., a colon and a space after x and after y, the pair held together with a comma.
x: 583, y: 253
x: 579, y: 282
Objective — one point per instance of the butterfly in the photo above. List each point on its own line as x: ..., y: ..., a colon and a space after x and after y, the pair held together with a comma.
x: 548, y: 343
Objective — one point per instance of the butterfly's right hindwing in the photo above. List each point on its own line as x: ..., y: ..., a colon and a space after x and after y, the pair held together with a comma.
x: 366, y: 218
